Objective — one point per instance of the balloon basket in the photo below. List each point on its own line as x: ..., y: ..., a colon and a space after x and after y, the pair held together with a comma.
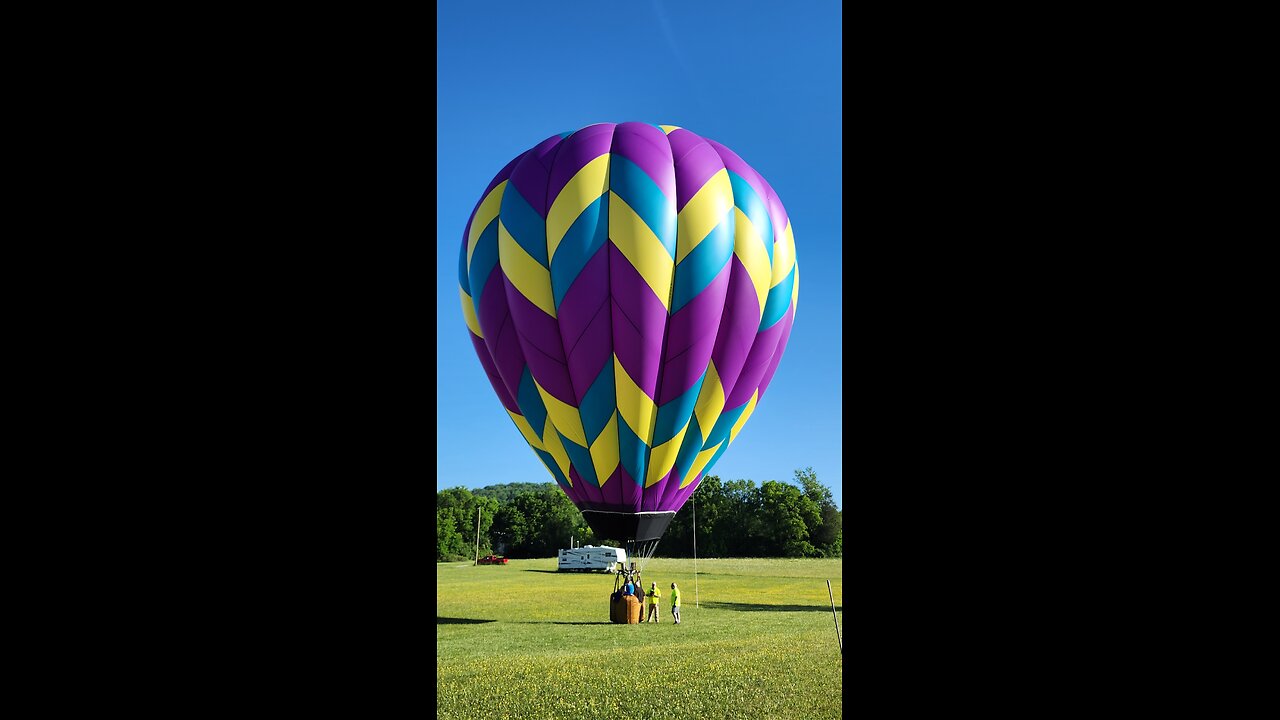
x: 625, y: 610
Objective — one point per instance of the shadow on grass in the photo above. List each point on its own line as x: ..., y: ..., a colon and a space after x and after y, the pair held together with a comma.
x: 774, y: 608
x: 559, y: 622
x: 567, y: 572
x: 460, y: 621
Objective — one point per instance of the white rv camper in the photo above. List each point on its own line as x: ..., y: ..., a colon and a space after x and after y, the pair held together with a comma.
x: 592, y: 557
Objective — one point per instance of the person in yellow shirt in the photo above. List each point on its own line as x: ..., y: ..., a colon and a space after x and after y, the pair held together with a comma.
x: 653, y: 597
x: 675, y: 603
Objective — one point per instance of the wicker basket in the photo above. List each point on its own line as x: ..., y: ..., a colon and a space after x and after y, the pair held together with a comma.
x: 626, y: 610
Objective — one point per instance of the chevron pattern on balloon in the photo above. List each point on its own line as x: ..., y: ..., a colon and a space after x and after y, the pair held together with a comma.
x: 629, y: 290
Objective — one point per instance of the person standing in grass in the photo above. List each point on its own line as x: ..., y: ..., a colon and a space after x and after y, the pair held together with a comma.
x: 654, y: 597
x: 675, y: 603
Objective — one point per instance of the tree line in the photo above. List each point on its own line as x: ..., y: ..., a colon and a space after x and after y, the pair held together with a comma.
x: 734, y: 519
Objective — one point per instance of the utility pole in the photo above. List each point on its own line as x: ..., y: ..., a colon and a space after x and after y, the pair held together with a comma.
x: 477, y: 534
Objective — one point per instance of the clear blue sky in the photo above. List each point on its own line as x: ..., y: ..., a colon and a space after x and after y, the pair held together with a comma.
x: 762, y: 78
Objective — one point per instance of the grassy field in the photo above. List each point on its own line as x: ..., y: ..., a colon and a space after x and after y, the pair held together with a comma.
x: 523, y: 641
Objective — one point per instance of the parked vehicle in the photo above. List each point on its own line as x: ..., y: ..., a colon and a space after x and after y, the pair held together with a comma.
x: 592, y: 557
x: 493, y: 560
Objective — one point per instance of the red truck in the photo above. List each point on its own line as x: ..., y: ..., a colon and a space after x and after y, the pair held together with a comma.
x: 493, y: 560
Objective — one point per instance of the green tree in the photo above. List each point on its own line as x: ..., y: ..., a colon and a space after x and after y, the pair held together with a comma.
x: 734, y: 519
x: 743, y: 520
x: 538, y: 523
x: 826, y: 534
x: 712, y: 505
x: 507, y: 492
x: 456, y: 509
x: 787, y: 516
x: 511, y: 529
x: 448, y: 541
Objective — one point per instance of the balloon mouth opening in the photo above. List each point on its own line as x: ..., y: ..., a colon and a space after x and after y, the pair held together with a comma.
x: 639, y: 526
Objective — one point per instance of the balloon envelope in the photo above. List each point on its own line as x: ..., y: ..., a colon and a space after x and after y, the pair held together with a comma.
x: 629, y: 289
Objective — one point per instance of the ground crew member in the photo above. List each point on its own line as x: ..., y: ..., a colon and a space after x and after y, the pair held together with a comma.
x: 675, y: 603
x: 654, y: 597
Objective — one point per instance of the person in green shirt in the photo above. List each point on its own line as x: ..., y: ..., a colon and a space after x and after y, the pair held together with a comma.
x: 653, y: 597
x: 675, y: 603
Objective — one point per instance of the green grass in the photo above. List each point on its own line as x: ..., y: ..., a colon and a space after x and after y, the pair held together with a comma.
x: 523, y: 641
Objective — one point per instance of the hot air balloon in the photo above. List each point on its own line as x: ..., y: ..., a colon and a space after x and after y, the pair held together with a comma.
x: 629, y: 289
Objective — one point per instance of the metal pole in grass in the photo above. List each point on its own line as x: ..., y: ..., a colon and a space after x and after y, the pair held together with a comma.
x: 695, y: 552
x: 833, y: 617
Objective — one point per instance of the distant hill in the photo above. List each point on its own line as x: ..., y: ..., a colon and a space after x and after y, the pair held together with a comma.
x: 505, y: 493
